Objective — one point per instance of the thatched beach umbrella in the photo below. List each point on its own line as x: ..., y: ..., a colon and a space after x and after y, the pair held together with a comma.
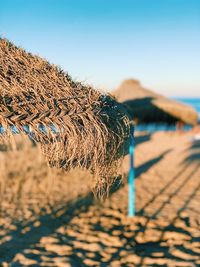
x: 75, y: 124
x: 146, y: 106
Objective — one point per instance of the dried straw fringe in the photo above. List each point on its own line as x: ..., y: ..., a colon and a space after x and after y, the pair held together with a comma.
x: 92, y: 127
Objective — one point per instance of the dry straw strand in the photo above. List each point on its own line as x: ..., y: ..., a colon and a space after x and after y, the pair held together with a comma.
x: 92, y: 128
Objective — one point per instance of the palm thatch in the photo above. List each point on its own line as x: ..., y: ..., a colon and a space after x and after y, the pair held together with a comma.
x: 146, y: 106
x: 76, y: 125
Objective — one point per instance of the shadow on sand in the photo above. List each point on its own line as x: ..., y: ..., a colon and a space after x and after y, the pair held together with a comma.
x: 194, y: 153
x: 49, y: 223
x: 142, y: 139
x: 161, y: 243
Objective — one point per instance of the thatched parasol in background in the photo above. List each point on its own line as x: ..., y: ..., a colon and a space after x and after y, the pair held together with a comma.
x: 75, y: 124
x: 146, y: 106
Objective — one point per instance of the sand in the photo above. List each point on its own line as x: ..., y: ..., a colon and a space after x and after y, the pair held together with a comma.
x: 71, y: 228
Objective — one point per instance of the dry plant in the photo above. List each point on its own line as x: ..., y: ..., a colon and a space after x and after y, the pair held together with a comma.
x: 75, y: 125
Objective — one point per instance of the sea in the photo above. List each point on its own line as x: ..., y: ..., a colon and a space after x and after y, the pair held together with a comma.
x: 153, y: 127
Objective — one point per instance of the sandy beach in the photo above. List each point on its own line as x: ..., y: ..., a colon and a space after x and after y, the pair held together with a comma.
x: 51, y: 219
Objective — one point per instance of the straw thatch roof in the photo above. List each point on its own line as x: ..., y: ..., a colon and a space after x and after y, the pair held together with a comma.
x: 90, y: 128
x: 146, y: 106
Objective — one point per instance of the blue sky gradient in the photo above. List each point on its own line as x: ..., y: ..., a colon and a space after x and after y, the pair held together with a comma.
x: 104, y: 42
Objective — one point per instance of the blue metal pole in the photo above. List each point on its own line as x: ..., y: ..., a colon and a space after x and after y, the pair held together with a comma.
x: 131, y: 178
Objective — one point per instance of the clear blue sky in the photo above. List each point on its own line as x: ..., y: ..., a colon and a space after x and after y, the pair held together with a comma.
x: 103, y: 42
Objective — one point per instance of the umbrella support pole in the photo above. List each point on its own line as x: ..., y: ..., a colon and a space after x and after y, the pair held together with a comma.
x: 131, y: 179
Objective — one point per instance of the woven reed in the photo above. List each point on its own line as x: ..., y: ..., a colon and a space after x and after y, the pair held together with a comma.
x: 93, y: 128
